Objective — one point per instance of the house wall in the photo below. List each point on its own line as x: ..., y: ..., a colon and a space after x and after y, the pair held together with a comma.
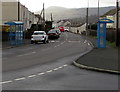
x: 115, y: 20
x: 10, y: 13
x: 113, y: 17
x: 110, y: 25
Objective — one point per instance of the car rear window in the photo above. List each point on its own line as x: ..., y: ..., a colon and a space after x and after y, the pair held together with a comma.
x: 53, y: 31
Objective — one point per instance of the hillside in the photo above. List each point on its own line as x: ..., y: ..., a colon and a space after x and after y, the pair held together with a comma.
x: 70, y: 13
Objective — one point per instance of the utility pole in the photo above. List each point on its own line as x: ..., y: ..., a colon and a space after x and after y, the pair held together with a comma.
x: 18, y: 10
x: 98, y: 10
x: 117, y: 23
x: 87, y: 18
x: 51, y: 17
x: 43, y: 13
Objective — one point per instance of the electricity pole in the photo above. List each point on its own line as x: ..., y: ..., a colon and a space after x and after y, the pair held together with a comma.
x: 87, y: 18
x: 18, y: 10
x: 51, y: 17
x: 43, y: 13
x: 98, y: 10
x: 117, y: 23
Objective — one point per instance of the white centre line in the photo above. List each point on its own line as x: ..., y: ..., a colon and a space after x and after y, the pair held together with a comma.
x: 31, y: 76
x: 60, y: 67
x: 5, y: 82
x: 18, y: 79
x: 27, y: 54
x: 88, y: 44
x: 41, y: 73
x: 49, y: 71
x: 55, y: 69
x: 65, y: 65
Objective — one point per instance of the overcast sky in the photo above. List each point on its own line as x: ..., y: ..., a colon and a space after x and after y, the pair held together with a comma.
x: 36, y: 5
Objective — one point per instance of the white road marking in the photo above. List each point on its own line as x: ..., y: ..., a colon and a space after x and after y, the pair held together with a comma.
x: 74, y: 41
x: 85, y: 41
x: 41, y: 73
x: 65, y: 65
x: 27, y: 54
x: 56, y: 69
x: 60, y: 67
x: 5, y: 82
x: 52, y: 41
x: 88, y: 44
x: 49, y: 71
x: 31, y: 76
x: 18, y: 79
x: 33, y: 52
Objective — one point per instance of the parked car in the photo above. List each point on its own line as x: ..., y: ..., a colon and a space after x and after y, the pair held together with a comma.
x: 53, y: 34
x: 61, y: 29
x: 39, y: 36
x: 66, y: 30
x: 58, y: 31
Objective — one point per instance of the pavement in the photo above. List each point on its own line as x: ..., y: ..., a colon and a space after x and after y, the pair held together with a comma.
x: 6, y: 44
x: 99, y: 59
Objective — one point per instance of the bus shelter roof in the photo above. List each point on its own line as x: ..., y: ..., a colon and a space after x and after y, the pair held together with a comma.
x: 14, y: 23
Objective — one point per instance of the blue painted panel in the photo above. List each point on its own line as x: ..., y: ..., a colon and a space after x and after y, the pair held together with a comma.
x: 16, y: 37
x: 102, y: 32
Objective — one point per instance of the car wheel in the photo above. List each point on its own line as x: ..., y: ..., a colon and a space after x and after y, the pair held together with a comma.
x: 44, y: 41
x: 32, y: 42
x: 36, y: 42
x: 47, y: 41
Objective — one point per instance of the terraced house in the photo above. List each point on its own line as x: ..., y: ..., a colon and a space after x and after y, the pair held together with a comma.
x: 112, y: 15
x: 15, y: 11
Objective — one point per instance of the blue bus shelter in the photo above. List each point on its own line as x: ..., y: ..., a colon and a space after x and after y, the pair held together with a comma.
x: 16, y: 32
x: 102, y: 32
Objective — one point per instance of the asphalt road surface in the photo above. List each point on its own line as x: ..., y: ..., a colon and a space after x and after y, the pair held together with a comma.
x: 49, y: 67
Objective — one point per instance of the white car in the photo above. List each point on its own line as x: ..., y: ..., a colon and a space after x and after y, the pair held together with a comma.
x: 39, y: 36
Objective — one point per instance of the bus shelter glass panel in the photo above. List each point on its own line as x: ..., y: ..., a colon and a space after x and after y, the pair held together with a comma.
x: 16, y: 33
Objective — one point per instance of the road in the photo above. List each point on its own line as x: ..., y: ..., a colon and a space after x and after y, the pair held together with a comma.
x: 49, y: 67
